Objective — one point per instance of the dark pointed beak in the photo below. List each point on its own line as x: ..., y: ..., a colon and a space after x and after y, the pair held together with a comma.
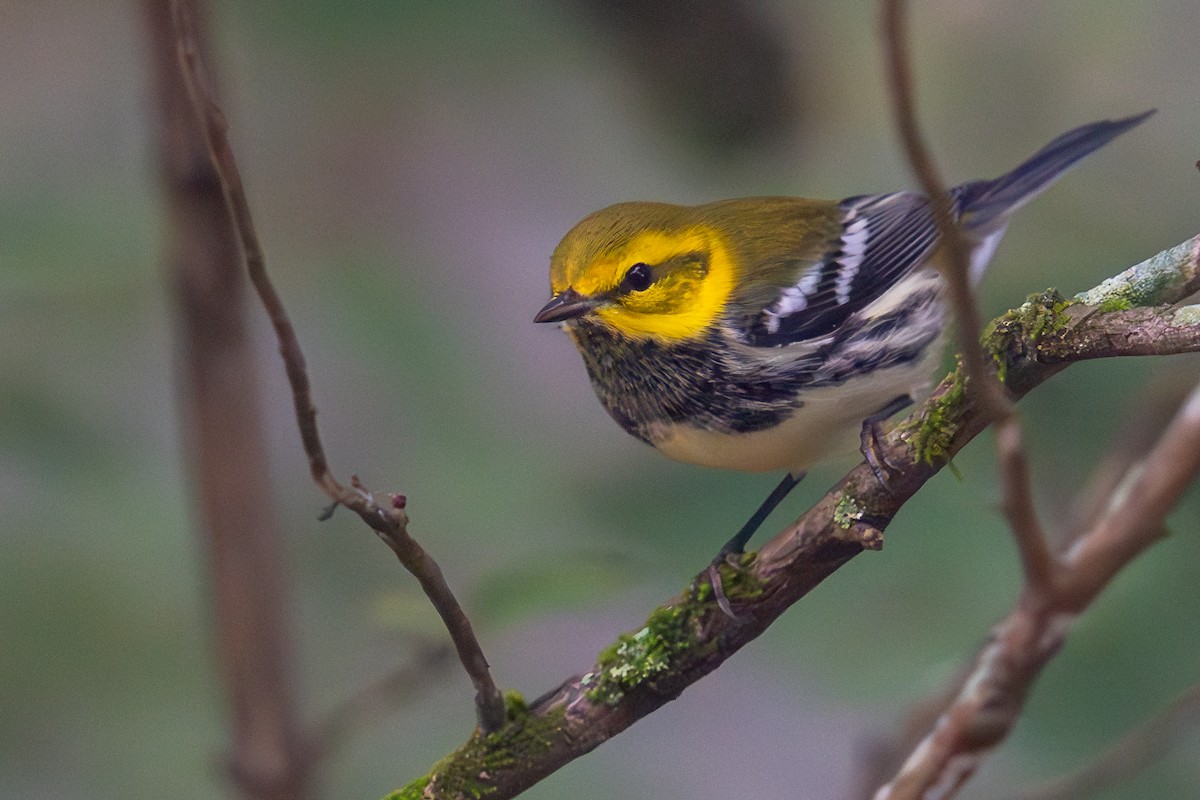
x: 567, y: 304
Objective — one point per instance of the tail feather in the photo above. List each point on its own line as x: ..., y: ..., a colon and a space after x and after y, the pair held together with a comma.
x: 987, y: 204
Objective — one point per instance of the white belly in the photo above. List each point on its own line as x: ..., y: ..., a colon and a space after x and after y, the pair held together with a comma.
x: 828, y: 424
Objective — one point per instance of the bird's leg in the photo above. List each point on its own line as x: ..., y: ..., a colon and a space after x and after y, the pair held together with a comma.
x: 872, y: 436
x: 737, y: 544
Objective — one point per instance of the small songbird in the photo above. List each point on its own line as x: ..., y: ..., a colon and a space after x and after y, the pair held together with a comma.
x: 768, y: 333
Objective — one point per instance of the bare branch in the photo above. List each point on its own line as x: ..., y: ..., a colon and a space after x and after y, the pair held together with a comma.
x: 991, y: 700
x: 886, y: 753
x: 216, y: 134
x: 690, y: 636
x: 1036, y: 558
x: 955, y: 263
x: 1018, y: 504
x: 1055, y: 592
x: 1156, y: 408
x: 389, y: 519
x: 1038, y: 563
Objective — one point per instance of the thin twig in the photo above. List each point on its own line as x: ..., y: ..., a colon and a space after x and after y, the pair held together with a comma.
x: 1055, y: 591
x: 388, y: 520
x: 1018, y: 496
x: 216, y: 133
x: 956, y: 262
x: 1037, y: 561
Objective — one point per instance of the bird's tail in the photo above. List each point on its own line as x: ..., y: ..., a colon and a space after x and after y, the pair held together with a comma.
x: 986, y: 205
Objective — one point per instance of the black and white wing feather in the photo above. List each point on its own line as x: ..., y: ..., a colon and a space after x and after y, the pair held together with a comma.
x: 884, y: 238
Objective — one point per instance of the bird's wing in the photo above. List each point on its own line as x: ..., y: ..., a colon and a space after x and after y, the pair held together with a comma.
x: 883, y: 239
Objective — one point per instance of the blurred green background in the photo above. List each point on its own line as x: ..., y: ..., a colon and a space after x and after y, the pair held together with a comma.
x: 411, y: 165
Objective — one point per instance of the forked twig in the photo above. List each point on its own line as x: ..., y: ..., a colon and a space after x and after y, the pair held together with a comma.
x: 991, y: 699
x: 1056, y: 589
x: 955, y: 267
x: 388, y: 520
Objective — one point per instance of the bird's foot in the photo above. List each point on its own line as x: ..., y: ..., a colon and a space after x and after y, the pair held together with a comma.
x: 871, y: 441
x: 714, y: 578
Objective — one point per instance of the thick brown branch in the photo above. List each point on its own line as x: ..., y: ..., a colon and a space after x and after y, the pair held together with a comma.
x: 690, y: 636
x: 1137, y: 332
x: 389, y: 520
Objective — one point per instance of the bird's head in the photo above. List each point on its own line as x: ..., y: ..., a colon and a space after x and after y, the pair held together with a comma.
x: 644, y: 270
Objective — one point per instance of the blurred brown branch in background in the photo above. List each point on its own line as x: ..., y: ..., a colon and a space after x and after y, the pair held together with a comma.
x: 238, y: 522
x: 273, y: 756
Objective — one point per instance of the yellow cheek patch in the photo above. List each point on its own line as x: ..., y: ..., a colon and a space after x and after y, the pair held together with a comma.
x: 676, y: 307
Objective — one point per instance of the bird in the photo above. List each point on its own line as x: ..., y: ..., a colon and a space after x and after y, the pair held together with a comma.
x: 769, y: 333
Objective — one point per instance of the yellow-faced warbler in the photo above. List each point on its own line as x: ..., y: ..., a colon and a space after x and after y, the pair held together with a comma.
x: 763, y: 333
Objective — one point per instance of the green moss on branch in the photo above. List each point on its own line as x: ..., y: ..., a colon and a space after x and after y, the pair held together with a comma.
x: 467, y: 772
x: 639, y: 658
x: 1153, y: 282
x: 931, y: 434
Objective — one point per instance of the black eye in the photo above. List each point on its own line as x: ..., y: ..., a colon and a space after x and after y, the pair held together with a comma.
x: 637, y: 278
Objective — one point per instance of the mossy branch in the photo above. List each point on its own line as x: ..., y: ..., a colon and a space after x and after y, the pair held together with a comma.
x: 690, y: 636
